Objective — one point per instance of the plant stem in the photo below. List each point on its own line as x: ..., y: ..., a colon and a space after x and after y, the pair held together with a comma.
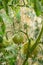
x: 24, y: 5
x: 23, y: 32
x: 37, y: 40
x: 24, y: 2
x: 34, y: 46
x: 26, y: 35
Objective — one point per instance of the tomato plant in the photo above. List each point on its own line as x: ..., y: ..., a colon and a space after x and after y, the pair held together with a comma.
x: 10, y: 22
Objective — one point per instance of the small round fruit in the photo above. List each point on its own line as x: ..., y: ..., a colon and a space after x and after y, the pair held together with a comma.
x: 18, y: 38
x: 25, y: 48
x: 36, y: 50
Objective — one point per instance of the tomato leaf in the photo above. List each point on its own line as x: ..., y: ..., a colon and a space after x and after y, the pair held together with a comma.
x: 37, y: 7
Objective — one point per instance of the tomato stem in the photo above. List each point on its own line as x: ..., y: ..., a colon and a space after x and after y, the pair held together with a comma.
x: 35, y: 45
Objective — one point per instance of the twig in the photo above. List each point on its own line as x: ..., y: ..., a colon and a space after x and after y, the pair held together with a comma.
x: 23, y: 32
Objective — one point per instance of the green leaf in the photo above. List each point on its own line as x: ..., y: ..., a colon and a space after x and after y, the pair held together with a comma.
x: 2, y: 27
x: 37, y: 7
x: 6, y: 18
x: 18, y: 16
x: 1, y: 6
x: 42, y: 2
x: 5, y: 5
x: 15, y: 1
x: 25, y: 26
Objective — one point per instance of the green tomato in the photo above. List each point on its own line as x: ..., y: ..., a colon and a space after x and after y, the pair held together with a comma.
x: 36, y: 50
x: 6, y: 42
x: 18, y: 38
x: 25, y: 48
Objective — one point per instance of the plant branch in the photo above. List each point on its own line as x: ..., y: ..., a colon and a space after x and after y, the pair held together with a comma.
x: 23, y: 32
x: 37, y: 40
x: 24, y: 2
x: 24, y: 5
x: 26, y: 35
x: 34, y: 46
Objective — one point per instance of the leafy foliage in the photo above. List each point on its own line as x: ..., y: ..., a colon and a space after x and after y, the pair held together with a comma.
x: 10, y: 51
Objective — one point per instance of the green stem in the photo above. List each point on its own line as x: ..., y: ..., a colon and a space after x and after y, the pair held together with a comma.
x: 23, y: 32
x: 27, y: 55
x: 37, y: 40
x: 26, y: 35
x: 24, y: 2
x: 34, y: 46
x: 24, y: 5
x: 26, y: 59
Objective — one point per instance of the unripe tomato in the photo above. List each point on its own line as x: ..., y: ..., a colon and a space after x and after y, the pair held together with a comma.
x: 18, y: 38
x: 25, y: 48
x: 6, y: 42
x: 35, y: 52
